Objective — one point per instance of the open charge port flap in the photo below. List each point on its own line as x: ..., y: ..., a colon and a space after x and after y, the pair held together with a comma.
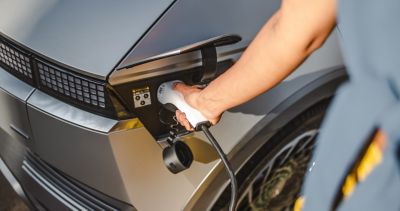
x: 140, y: 95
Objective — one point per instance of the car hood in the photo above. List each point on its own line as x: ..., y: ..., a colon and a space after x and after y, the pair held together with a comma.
x: 92, y: 36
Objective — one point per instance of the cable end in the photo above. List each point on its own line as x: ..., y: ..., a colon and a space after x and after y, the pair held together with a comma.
x: 199, y: 126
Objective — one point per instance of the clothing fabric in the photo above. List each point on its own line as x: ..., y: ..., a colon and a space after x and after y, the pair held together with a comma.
x: 369, y: 101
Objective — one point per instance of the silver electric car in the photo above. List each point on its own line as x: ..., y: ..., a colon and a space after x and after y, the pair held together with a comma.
x: 81, y: 127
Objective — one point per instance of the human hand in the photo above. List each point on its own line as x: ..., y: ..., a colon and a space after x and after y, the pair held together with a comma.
x: 192, y: 96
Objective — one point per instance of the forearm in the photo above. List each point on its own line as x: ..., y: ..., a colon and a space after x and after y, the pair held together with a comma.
x: 275, y: 52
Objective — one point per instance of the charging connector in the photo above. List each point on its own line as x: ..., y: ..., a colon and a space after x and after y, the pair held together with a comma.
x: 169, y: 97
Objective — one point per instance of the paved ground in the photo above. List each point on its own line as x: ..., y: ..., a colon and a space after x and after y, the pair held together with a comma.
x: 9, y: 200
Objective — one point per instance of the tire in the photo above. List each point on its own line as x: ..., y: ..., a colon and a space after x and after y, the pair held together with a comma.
x: 272, y: 178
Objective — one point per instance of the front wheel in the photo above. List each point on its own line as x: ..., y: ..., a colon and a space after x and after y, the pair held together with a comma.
x: 272, y: 178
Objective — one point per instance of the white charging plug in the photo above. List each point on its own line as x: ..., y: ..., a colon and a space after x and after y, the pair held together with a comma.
x: 166, y: 94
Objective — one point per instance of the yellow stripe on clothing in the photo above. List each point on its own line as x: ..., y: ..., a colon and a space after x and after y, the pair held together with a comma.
x: 298, y: 205
x: 372, y: 157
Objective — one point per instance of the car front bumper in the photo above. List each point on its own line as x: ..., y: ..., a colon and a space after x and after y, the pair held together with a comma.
x: 56, y: 151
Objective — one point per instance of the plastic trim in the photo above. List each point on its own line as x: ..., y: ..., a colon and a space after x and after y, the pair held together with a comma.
x: 11, y: 179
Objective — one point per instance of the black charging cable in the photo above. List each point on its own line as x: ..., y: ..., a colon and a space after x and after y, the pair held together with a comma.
x: 228, y: 167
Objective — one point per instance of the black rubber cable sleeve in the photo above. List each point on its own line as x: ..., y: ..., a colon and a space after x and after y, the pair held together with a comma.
x: 228, y: 167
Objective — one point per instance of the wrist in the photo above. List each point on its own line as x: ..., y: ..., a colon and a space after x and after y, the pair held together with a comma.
x: 209, y: 107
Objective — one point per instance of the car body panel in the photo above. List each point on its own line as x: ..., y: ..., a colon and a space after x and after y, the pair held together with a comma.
x: 79, y: 152
x: 190, y: 21
x: 14, y: 118
x: 15, y: 87
x: 87, y: 36
x: 67, y: 113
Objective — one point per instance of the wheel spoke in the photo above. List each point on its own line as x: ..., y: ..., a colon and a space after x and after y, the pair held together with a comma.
x: 268, y: 170
x: 310, y: 135
x: 288, y: 156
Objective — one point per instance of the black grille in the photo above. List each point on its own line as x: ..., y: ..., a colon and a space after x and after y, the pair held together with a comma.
x: 74, y: 87
x: 17, y: 62
x: 56, y: 80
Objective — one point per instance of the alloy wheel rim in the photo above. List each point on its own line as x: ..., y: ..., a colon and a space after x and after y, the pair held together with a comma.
x: 278, y: 183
